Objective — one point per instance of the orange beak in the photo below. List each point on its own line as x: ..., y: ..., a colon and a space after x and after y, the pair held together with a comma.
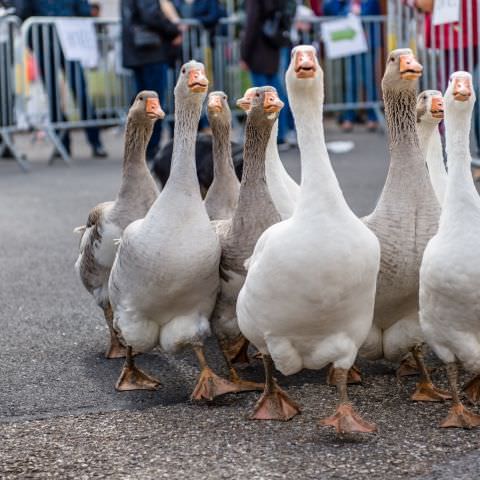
x: 437, y: 107
x: 197, y: 81
x: 305, y: 64
x: 246, y: 101
x: 410, y: 69
x: 271, y: 103
x: 152, y: 107
x: 215, y: 104
x: 462, y: 89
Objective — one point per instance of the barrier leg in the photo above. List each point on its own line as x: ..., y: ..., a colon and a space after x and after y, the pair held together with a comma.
x: 59, y: 147
x: 20, y: 158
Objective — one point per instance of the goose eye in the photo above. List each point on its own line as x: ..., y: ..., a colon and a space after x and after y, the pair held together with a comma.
x: 184, y: 70
x: 392, y: 59
x: 258, y: 95
x: 140, y: 98
x: 225, y: 97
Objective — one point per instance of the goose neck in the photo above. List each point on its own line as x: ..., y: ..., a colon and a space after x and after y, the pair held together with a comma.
x: 137, y: 136
x: 460, y: 186
x: 319, y: 186
x: 221, y: 149
x: 183, y: 172
x: 436, y: 167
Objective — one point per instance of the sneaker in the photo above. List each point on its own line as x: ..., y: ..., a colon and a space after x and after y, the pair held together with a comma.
x: 291, y: 138
x: 99, y: 152
x: 346, y: 126
x: 372, y: 126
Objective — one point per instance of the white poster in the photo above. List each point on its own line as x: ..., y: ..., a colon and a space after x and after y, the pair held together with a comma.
x: 446, y: 11
x: 344, y: 37
x: 78, y: 40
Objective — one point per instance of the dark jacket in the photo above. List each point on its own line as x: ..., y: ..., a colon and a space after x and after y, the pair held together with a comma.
x: 149, y: 14
x: 255, y: 51
x: 52, y: 8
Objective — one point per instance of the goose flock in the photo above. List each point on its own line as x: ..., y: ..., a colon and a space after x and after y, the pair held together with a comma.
x: 289, y: 269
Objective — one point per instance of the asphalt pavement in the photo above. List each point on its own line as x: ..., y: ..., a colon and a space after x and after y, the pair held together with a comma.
x: 60, y: 416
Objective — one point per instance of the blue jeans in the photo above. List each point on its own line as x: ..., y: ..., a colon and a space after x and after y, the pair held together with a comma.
x: 153, y: 76
x: 360, y: 74
x: 262, y: 80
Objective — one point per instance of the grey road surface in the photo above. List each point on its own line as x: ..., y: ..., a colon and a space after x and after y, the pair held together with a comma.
x: 60, y: 416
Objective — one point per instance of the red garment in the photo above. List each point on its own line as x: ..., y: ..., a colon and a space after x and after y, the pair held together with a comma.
x: 460, y: 36
x: 316, y: 6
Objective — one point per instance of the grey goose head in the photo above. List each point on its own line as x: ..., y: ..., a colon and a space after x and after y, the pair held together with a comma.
x: 218, y: 110
x: 146, y: 108
x: 192, y: 83
x: 402, y: 71
x: 265, y: 106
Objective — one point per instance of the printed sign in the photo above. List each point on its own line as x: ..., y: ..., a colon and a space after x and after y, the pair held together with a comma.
x: 78, y: 40
x: 446, y: 11
x: 344, y: 37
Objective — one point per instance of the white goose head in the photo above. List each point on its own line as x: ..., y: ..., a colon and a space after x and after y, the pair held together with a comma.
x: 430, y: 107
x: 192, y: 83
x: 304, y: 71
x: 460, y: 94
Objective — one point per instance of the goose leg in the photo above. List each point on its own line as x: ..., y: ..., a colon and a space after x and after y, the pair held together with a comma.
x: 115, y: 349
x: 274, y: 404
x: 354, y: 376
x: 408, y: 367
x: 346, y: 419
x: 209, y: 384
x: 458, y: 416
x: 235, y: 351
x: 132, y: 378
x: 472, y: 389
x: 242, y: 385
x: 425, y: 390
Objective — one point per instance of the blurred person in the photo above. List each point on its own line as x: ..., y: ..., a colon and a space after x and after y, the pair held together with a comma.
x: 207, y: 12
x: 261, y: 49
x: 149, y: 37
x: 353, y: 81
x: 73, y: 70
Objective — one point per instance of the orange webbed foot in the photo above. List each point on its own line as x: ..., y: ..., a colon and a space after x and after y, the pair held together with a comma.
x: 427, y: 392
x: 460, y: 417
x: 210, y: 385
x: 346, y: 420
x: 132, y: 378
x: 275, y: 405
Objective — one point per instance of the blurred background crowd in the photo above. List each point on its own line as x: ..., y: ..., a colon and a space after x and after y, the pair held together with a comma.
x: 153, y: 34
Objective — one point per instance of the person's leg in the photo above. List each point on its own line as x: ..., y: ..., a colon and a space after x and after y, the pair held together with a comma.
x: 368, y: 83
x: 153, y: 76
x: 76, y: 80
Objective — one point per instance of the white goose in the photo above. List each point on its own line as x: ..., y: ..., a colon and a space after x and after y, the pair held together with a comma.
x: 450, y: 274
x: 309, y: 293
x: 107, y: 221
x: 283, y: 189
x: 429, y: 116
x: 165, y: 279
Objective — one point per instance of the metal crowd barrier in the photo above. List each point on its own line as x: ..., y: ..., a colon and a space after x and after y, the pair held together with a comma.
x: 441, y: 48
x: 9, y: 35
x: 77, y: 97
x: 351, y: 83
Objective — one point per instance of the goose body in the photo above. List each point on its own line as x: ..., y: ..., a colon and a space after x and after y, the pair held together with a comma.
x: 164, y: 280
x: 449, y: 276
x: 429, y: 116
x: 107, y: 221
x: 307, y: 299
x: 404, y: 220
